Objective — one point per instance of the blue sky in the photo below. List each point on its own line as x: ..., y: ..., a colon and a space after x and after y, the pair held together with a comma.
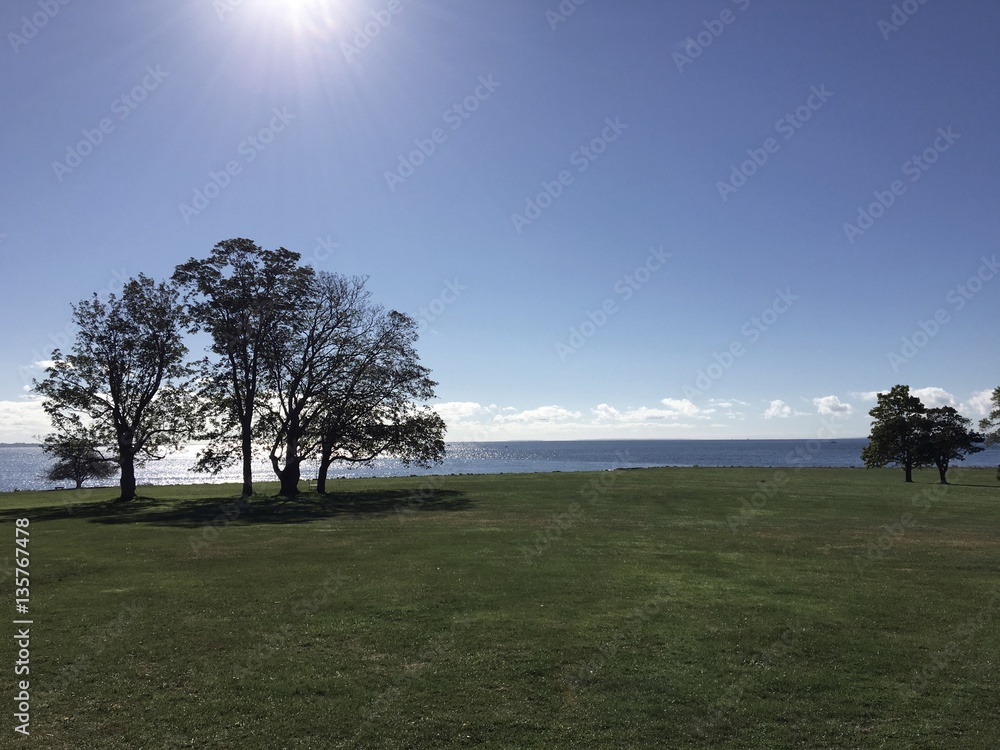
x: 640, y: 219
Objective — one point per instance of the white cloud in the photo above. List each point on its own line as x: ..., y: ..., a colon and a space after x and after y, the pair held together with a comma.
x: 778, y: 410
x: 671, y: 417
x: 676, y: 409
x: 683, y: 408
x: 470, y: 420
x: 832, y: 405
x: 979, y: 404
x: 646, y: 414
x: 544, y: 414
x: 727, y: 403
x: 23, y: 421
x: 934, y: 397
x: 868, y: 395
x: 641, y: 416
x: 603, y: 412
x: 459, y: 410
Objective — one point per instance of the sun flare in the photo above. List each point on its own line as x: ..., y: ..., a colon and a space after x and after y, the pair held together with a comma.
x: 314, y: 17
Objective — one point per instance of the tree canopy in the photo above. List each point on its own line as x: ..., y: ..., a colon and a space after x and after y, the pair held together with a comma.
x: 342, y: 383
x: 991, y: 424
x: 897, y: 432
x: 123, y: 387
x: 949, y: 438
x: 247, y: 299
x: 907, y: 434
x: 302, y: 365
x: 78, y: 460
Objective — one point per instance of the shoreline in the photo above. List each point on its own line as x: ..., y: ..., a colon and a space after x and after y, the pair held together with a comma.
x: 306, y: 489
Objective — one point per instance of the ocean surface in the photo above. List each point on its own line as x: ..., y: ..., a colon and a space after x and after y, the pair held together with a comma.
x: 24, y: 467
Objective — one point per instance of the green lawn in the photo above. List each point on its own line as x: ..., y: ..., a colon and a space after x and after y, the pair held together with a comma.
x: 622, y: 609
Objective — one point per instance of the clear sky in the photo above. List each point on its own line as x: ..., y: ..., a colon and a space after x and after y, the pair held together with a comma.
x: 629, y: 219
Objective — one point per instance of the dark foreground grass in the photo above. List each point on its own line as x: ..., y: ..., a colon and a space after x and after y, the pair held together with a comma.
x: 606, y: 610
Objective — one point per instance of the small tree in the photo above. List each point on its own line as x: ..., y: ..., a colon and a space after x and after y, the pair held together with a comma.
x: 949, y: 438
x: 992, y: 423
x: 898, y: 433
x: 124, y: 383
x: 77, y: 459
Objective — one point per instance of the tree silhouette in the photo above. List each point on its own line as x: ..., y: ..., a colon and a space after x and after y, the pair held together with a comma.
x: 123, y: 386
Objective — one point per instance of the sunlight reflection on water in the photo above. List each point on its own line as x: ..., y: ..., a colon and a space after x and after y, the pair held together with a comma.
x: 23, y: 468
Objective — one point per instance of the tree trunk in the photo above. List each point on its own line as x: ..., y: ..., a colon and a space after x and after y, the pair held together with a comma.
x: 127, y: 483
x: 289, y: 477
x: 326, y: 458
x: 247, y: 464
x: 909, y: 472
x: 291, y: 474
x: 79, y: 483
x: 943, y: 470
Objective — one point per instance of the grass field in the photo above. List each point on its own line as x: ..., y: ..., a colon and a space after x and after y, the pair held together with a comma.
x: 659, y: 608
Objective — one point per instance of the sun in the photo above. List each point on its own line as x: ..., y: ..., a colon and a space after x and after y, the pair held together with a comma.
x: 313, y: 17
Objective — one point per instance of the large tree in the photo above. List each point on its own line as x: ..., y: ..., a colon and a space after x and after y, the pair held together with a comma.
x: 77, y: 460
x: 374, y: 411
x: 992, y: 423
x: 343, y: 386
x: 898, y: 432
x: 247, y: 299
x: 949, y: 438
x: 123, y: 387
x: 306, y: 365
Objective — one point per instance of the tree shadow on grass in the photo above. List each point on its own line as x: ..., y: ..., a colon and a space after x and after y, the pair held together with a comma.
x: 258, y: 510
